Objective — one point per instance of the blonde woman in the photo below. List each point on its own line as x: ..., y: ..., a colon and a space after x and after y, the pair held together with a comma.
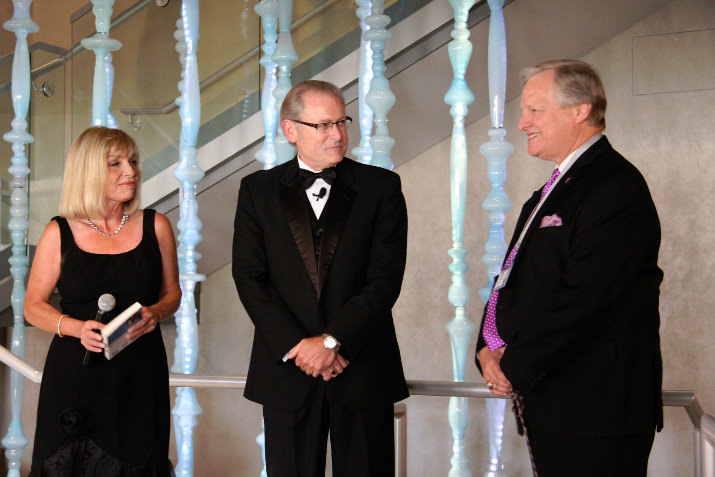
x: 111, y: 417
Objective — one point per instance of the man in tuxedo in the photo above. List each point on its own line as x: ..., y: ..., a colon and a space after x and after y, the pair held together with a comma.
x: 318, y: 257
x: 571, y: 326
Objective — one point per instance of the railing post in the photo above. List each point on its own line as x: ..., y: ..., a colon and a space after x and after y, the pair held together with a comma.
x: 268, y: 11
x: 101, y: 45
x: 699, y: 457
x: 496, y: 151
x: 284, y: 56
x: 188, y: 173
x: 380, y: 98
x: 460, y: 328
x: 15, y: 439
x: 706, y: 464
x: 364, y: 151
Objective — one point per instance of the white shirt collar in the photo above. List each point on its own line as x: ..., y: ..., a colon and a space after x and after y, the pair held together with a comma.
x: 571, y: 158
x: 305, y: 166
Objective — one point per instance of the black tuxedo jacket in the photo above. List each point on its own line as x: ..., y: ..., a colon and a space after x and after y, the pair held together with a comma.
x: 579, y: 312
x: 349, y: 293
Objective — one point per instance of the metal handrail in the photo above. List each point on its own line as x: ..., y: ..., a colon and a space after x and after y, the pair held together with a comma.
x: 703, y: 424
x: 685, y: 399
x: 707, y: 445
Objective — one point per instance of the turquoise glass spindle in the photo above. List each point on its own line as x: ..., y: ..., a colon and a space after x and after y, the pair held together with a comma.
x: 188, y: 173
x: 111, y: 120
x: 496, y: 151
x: 284, y: 56
x: 101, y: 44
x: 460, y: 329
x: 380, y: 98
x: 363, y: 151
x: 268, y: 11
x: 15, y: 440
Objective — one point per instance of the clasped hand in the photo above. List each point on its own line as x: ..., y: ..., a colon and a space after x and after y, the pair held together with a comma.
x: 315, y: 360
x: 492, y: 373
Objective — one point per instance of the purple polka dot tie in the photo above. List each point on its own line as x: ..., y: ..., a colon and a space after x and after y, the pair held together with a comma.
x: 490, y: 333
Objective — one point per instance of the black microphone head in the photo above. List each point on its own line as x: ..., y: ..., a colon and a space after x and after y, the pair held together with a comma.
x: 321, y: 193
x: 106, y: 303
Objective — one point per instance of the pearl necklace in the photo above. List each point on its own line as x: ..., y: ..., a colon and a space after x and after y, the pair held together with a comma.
x: 125, y: 217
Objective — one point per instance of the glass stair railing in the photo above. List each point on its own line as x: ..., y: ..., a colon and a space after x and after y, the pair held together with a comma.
x: 146, y: 76
x: 147, y: 70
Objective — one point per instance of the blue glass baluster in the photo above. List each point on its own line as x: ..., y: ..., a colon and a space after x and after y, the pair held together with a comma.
x: 460, y: 329
x: 179, y: 346
x: 188, y: 173
x: 268, y: 11
x: 111, y: 120
x: 101, y: 44
x: 496, y: 151
x: 284, y: 56
x: 380, y: 97
x: 363, y: 151
x: 15, y: 439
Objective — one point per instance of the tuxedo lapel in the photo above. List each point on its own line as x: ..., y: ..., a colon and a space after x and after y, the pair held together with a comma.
x: 292, y: 197
x: 335, y: 215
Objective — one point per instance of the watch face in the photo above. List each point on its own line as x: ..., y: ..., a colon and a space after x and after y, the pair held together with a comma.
x: 330, y: 342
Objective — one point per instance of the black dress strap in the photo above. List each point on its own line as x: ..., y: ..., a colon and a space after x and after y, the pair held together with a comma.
x: 148, y: 224
x: 66, y: 237
x: 149, y: 241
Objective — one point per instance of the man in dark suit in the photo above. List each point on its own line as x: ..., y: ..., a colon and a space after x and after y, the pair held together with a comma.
x: 571, y: 326
x: 318, y: 258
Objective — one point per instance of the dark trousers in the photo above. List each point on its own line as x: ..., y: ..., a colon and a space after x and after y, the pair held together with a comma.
x: 361, y: 441
x: 613, y: 456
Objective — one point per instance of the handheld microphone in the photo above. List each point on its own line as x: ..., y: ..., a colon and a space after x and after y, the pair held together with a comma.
x: 105, y: 304
x: 320, y: 194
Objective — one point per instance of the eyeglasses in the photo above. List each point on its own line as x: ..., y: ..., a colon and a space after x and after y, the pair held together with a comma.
x: 327, y: 126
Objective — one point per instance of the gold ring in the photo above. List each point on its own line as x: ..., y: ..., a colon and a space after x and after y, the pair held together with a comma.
x: 490, y: 385
x: 308, y: 373
x: 334, y: 372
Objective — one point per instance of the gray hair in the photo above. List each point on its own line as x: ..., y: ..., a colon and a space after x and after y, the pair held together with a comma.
x: 292, y: 106
x: 576, y: 82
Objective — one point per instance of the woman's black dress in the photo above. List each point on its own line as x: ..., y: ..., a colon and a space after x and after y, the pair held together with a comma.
x: 110, y: 418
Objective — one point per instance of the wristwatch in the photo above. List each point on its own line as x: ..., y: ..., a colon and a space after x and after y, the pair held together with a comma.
x: 329, y: 342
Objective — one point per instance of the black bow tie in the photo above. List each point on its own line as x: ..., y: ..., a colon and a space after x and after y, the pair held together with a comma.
x: 308, y: 177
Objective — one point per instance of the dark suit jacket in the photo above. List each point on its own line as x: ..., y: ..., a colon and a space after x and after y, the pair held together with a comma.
x: 579, y: 313
x: 349, y: 294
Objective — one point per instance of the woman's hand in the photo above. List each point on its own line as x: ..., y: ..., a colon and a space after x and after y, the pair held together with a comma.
x: 89, y: 335
x: 146, y: 325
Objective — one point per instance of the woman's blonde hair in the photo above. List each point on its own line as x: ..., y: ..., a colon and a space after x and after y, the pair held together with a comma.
x: 83, y: 192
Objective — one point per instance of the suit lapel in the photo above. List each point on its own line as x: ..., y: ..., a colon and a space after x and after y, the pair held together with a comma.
x: 335, y: 215
x: 570, y: 179
x: 292, y: 197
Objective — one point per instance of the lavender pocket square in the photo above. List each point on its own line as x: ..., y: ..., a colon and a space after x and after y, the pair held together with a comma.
x: 551, y: 221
